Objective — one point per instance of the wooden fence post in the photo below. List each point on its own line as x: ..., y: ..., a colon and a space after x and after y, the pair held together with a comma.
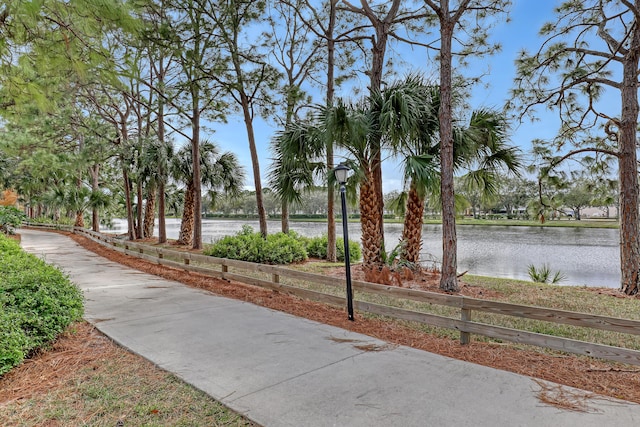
x: 465, y: 337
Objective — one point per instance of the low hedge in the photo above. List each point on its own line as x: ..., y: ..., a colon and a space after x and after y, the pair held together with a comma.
x: 37, y: 302
x: 247, y: 245
x: 317, y: 248
x: 279, y: 248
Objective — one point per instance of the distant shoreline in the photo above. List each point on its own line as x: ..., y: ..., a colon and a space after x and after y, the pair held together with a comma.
x: 585, y: 223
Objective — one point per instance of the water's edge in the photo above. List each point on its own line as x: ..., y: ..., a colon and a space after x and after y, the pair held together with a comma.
x: 586, y: 256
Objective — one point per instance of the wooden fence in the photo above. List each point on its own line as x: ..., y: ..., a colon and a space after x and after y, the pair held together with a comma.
x: 221, y: 268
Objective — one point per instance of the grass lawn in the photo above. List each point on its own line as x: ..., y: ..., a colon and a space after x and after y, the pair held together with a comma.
x: 84, y: 379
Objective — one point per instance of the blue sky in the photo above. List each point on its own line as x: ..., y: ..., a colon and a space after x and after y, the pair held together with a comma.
x: 527, y: 17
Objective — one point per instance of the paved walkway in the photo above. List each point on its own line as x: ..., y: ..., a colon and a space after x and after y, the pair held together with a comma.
x: 281, y: 370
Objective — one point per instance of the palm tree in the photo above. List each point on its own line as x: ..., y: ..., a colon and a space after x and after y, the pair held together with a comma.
x: 479, y: 148
x: 386, y: 117
x: 399, y: 115
x: 297, y: 153
x: 154, y: 168
x: 220, y: 172
x: 78, y: 198
x: 409, y: 118
x: 351, y: 128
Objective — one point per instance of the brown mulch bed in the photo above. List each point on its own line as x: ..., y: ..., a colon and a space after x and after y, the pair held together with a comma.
x: 609, y: 379
x: 79, y: 347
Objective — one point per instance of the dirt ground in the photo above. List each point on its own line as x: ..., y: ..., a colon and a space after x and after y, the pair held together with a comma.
x: 609, y: 379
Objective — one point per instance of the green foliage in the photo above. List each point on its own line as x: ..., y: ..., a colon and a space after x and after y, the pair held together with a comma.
x: 393, y: 259
x: 354, y: 250
x: 279, y: 248
x: 247, y: 245
x: 37, y: 302
x: 10, y: 219
x: 543, y: 274
x: 317, y: 248
x: 283, y: 248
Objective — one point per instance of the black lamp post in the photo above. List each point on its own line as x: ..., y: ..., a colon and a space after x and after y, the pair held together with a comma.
x: 341, y: 171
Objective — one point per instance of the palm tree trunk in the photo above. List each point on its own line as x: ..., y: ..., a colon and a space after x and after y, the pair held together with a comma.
x: 79, y: 219
x: 127, y: 192
x: 149, y: 213
x: 139, y: 212
x: 370, y: 224
x: 186, y: 227
x: 162, y: 228
x: 412, y: 231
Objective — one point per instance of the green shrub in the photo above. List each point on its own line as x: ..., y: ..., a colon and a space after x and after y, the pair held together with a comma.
x: 279, y: 248
x: 14, y: 343
x: 354, y: 250
x: 10, y: 219
x: 317, y: 248
x: 246, y: 245
x: 37, y: 302
x: 283, y: 248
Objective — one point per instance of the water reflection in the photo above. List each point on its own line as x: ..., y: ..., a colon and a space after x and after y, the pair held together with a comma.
x: 586, y: 256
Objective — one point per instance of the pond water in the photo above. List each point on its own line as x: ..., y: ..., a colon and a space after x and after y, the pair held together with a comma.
x: 586, y: 256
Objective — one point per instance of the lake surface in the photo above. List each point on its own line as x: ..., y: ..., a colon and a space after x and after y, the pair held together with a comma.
x: 586, y: 256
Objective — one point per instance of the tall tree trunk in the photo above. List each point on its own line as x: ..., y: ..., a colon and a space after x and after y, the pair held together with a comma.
x: 377, y: 67
x: 95, y: 187
x: 332, y: 255
x: 162, y: 225
x: 186, y: 226
x: 197, y: 180
x: 628, y: 170
x: 79, y: 222
x: 449, y: 278
x: 284, y: 215
x: 412, y: 230
x: 131, y: 234
x: 248, y: 121
x: 382, y: 28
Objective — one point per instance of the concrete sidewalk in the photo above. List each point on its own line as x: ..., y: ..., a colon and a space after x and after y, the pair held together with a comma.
x: 281, y: 370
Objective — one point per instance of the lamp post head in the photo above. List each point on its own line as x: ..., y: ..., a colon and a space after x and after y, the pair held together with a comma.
x: 341, y: 171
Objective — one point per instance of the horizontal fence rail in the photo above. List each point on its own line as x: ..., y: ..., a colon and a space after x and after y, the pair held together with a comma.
x: 220, y: 268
